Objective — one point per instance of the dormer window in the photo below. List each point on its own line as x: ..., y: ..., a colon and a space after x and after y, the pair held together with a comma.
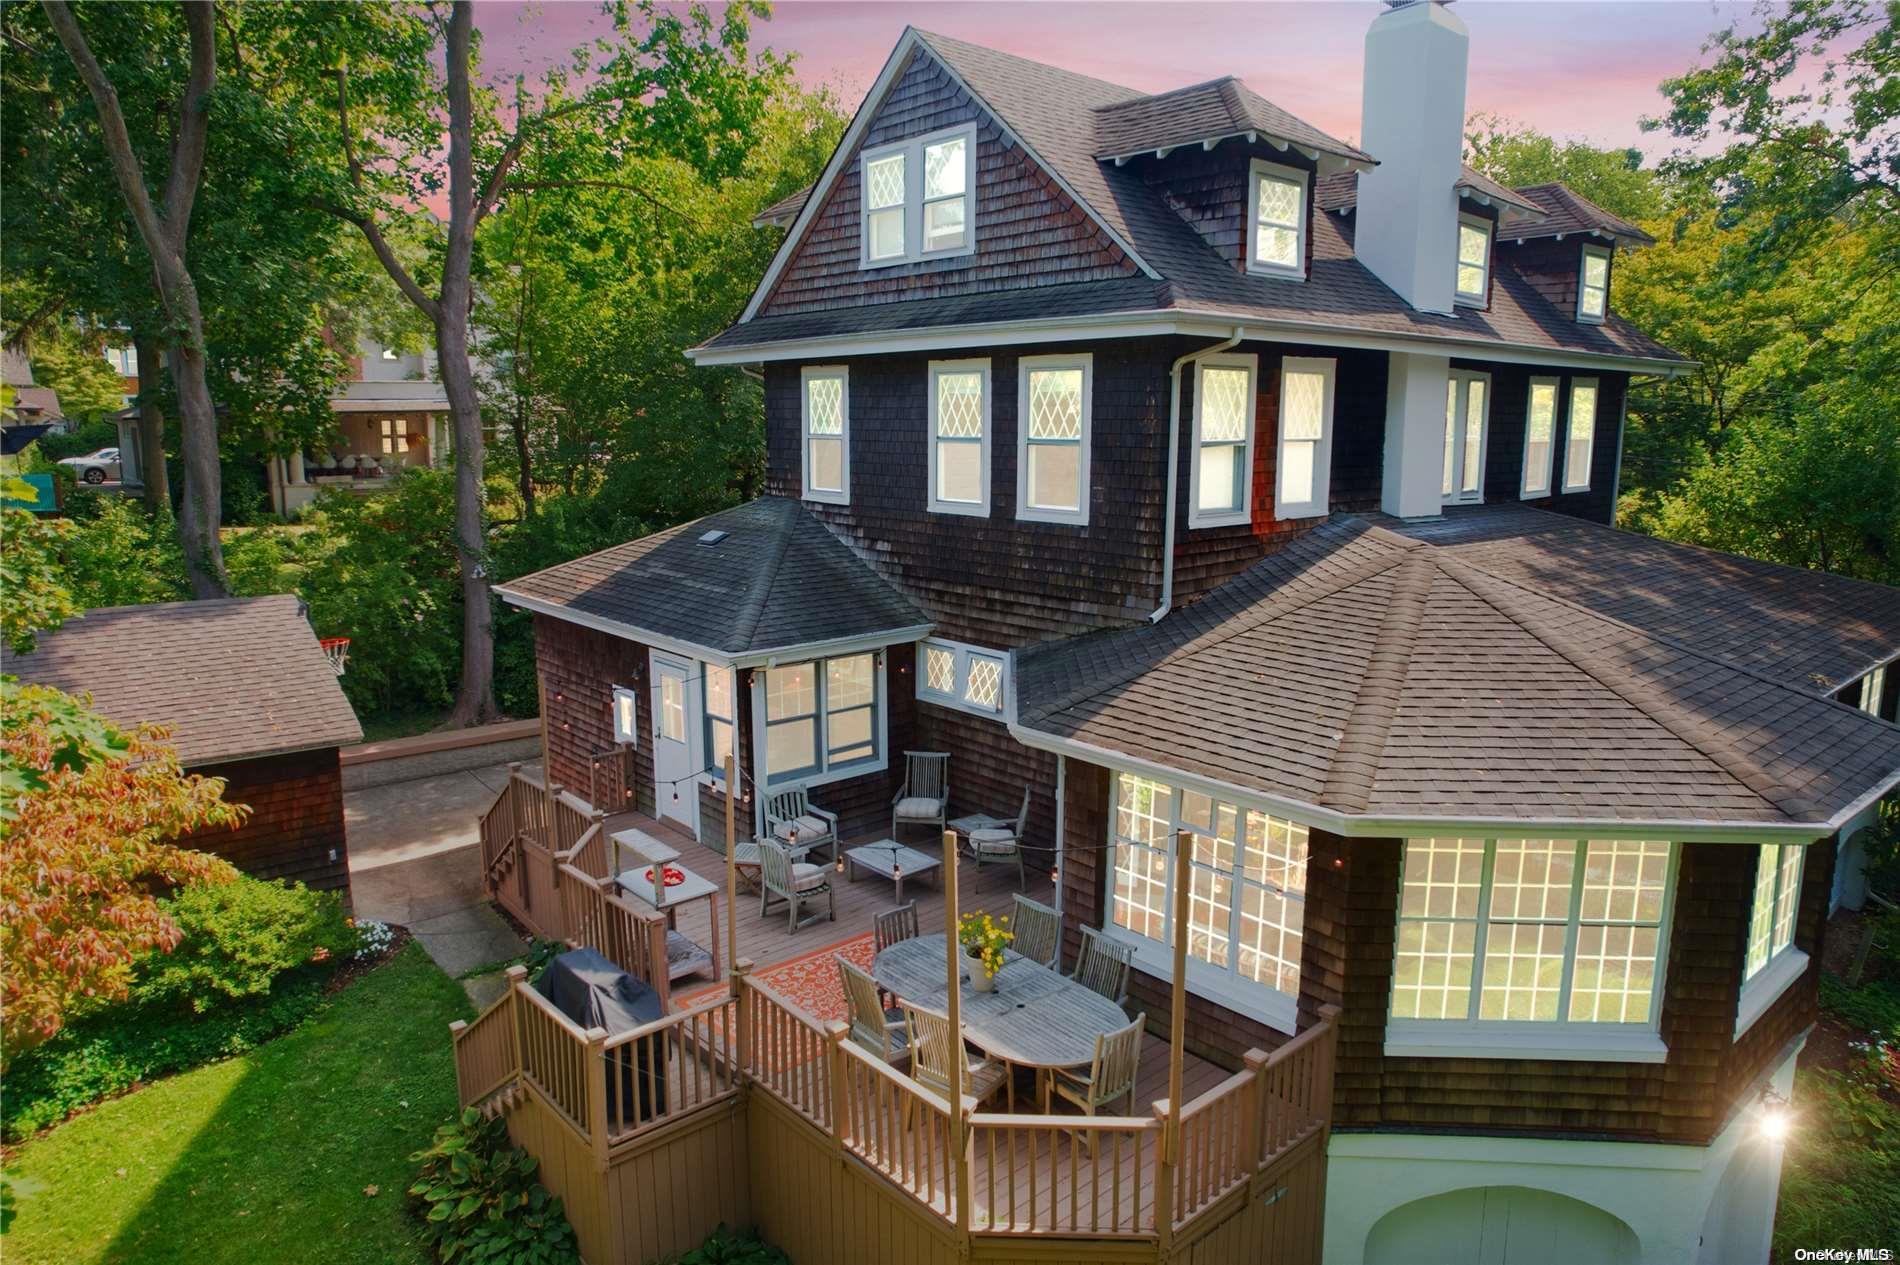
x: 919, y: 199
x: 1593, y: 287
x: 1276, y: 224
x: 1474, y: 260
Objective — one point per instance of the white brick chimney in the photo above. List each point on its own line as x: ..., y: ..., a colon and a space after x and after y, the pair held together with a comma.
x: 1412, y: 119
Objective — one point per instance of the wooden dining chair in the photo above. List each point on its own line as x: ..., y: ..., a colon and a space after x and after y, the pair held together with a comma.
x: 1038, y: 931
x: 894, y: 925
x: 1103, y: 965
x: 877, y: 1029
x: 935, y: 1056
x: 1111, y: 1075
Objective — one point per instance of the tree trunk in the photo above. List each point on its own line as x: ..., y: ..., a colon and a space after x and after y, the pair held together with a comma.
x: 198, y: 517
x: 158, y: 491
x: 525, y: 479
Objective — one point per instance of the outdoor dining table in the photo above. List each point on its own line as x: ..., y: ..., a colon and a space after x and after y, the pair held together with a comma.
x: 1035, y: 1017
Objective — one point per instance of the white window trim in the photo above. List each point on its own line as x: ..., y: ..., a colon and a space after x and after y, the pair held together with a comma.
x: 1556, y: 386
x: 1198, y: 517
x: 913, y: 151
x: 1482, y: 297
x: 857, y: 768
x: 1085, y: 361
x: 843, y: 374
x: 1457, y: 495
x: 1609, y: 259
x: 963, y: 653
x: 1258, y: 168
x: 1322, y: 452
x: 1472, y: 1038
x: 981, y: 507
x: 714, y: 774
x: 1873, y: 688
x: 1570, y: 418
x: 625, y: 738
x: 1777, y: 977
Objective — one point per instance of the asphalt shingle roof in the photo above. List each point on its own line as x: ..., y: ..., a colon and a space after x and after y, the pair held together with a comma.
x: 1202, y: 112
x: 1367, y: 672
x: 1556, y: 208
x: 779, y: 579
x: 234, y: 678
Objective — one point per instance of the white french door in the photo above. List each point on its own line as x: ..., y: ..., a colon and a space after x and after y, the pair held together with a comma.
x: 1467, y: 407
x: 675, y: 790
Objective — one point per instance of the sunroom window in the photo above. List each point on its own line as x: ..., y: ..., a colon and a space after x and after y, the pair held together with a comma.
x: 716, y: 707
x: 1222, y: 474
x: 1540, y: 432
x: 1593, y: 285
x: 1276, y: 224
x: 960, y: 436
x: 1474, y: 259
x: 1467, y: 405
x: 919, y: 199
x: 822, y: 716
x: 1052, y: 457
x: 969, y: 678
x: 1582, y: 438
x: 826, y: 423
x: 1872, y: 687
x: 1777, y: 898
x: 1550, y: 932
x: 1246, y: 901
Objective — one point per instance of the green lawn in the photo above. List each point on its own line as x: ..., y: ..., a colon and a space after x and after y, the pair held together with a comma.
x: 263, y: 1158
x: 1840, y: 1182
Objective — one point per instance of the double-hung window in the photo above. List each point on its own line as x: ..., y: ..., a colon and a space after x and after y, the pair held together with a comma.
x: 1872, y: 687
x: 1246, y: 897
x: 395, y: 435
x: 1474, y: 260
x: 1221, y: 480
x: 1771, y: 962
x: 919, y: 198
x: 960, y: 436
x: 716, y: 708
x: 1276, y: 220
x: 825, y: 433
x: 1467, y: 406
x: 1593, y: 284
x: 1052, y: 447
x: 1580, y: 442
x: 823, y: 716
x: 1540, y: 436
x: 969, y: 678
x: 1519, y: 943
x: 1304, y: 467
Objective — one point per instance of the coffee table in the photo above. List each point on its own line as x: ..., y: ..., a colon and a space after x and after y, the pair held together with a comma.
x: 894, y: 861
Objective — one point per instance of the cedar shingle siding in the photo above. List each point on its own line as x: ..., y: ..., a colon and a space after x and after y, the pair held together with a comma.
x: 579, y: 668
x: 1028, y: 232
x: 294, y: 829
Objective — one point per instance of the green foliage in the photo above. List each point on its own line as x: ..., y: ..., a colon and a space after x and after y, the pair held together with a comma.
x: 1873, y: 1007
x: 76, y: 737
x: 238, y: 939
x: 72, y: 363
x: 1842, y: 1168
x: 1614, y: 179
x: 733, y: 1247
x: 82, y: 439
x: 120, y: 554
x: 115, y: 1049
x: 478, y: 1199
x: 31, y: 576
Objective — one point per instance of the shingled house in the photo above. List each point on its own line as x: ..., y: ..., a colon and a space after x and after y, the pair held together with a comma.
x: 1204, y: 471
x: 248, y: 695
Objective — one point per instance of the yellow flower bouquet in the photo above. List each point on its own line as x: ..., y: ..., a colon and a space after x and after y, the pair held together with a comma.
x: 984, y: 939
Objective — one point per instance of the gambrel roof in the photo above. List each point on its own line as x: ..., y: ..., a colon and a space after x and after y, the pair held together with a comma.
x: 1368, y: 673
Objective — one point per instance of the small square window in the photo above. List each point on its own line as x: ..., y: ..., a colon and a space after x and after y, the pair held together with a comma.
x: 626, y: 717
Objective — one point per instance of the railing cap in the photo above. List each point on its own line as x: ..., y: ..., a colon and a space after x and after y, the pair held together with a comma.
x: 516, y: 973
x: 1255, y: 1059
x: 1329, y: 1011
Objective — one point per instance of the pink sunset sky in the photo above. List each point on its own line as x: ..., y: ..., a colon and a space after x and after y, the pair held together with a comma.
x: 1582, y: 70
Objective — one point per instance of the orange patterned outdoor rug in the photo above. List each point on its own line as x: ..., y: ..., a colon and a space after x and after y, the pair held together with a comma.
x: 809, y: 981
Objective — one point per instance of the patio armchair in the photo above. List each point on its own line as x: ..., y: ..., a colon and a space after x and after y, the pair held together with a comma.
x: 999, y: 845
x: 881, y: 1031
x: 924, y: 799
x: 1111, y: 1076
x: 791, y: 819
x: 1037, y: 930
x: 894, y: 925
x: 935, y: 1056
x: 795, y: 884
x: 1103, y: 965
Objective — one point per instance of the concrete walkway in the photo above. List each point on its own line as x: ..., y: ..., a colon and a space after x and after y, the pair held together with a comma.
x: 415, y: 859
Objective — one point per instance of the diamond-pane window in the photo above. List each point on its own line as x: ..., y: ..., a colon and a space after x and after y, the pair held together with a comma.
x: 940, y: 669
x: 968, y: 678
x: 985, y: 686
x: 959, y: 445
x: 1055, y: 404
x: 919, y: 199
x: 1224, y: 424
x: 1474, y: 258
x: 884, y: 182
x: 1305, y: 425
x: 826, y: 427
x: 943, y: 168
x: 1279, y: 208
x: 826, y: 397
x: 1053, y: 453
x: 959, y: 405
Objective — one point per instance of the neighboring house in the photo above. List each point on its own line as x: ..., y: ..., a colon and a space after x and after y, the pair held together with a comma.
x: 249, y: 697
x: 29, y: 405
x: 1203, y: 471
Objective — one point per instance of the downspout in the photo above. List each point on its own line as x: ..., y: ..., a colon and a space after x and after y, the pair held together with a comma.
x: 1174, y: 469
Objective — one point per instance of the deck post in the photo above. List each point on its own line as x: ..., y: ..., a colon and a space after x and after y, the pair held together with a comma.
x: 835, y: 1033
x: 741, y: 968
x: 517, y: 977
x: 959, y: 1117
x: 456, y: 1029
x: 1251, y: 1134
x: 732, y: 865
x: 596, y: 1084
x: 1177, y: 1037
x: 1164, y: 1179
x: 1323, y: 1092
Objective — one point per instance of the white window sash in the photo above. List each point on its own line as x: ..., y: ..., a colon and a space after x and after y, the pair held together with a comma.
x: 1320, y: 502
x: 1457, y: 439
x: 962, y: 655
x: 822, y: 770
x: 1544, y: 470
x: 1078, y: 517
x: 1297, y: 270
x: 1571, y: 482
x: 625, y: 714
x: 981, y: 506
x: 812, y: 373
x: 913, y: 205
x: 1472, y: 298
x: 1584, y: 290
x: 1242, y: 513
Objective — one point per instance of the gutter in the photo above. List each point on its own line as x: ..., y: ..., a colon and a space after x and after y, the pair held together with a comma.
x: 1174, y: 468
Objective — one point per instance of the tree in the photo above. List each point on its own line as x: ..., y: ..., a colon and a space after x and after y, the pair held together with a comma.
x: 163, y: 230
x: 72, y: 363
x: 36, y: 596
x: 1515, y: 155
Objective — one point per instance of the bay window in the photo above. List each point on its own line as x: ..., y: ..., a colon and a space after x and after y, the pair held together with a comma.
x: 1593, y: 285
x: 1540, y: 432
x: 1052, y: 450
x: 716, y: 708
x: 1467, y: 406
x: 1582, y: 435
x: 960, y: 436
x: 919, y: 199
x: 1508, y: 943
x: 969, y: 678
x: 1304, y: 469
x: 1474, y: 260
x: 823, y: 716
x: 825, y: 433
x: 1246, y: 897
x: 1276, y: 221
x: 1221, y: 478
x: 1771, y: 962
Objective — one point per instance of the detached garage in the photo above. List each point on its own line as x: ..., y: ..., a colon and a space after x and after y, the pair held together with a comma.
x: 249, y: 696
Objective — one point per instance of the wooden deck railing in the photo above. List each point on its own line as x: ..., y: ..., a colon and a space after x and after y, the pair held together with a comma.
x: 530, y: 830
x: 785, y: 1051
x: 671, y: 1068
x: 1062, y: 1175
x: 630, y: 936
x: 560, y: 1059
x: 892, y: 1123
x: 486, y: 1054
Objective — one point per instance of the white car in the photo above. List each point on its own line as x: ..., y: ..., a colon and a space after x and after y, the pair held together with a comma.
x: 95, y: 467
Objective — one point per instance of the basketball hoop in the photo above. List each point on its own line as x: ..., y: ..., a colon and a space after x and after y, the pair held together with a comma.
x: 338, y: 651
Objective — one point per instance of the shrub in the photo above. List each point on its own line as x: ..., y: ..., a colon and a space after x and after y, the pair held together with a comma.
x: 479, y: 1200
x: 730, y: 1247
x: 1873, y: 1007
x: 238, y: 938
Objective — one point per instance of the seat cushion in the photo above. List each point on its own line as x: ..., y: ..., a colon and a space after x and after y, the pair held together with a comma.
x: 805, y: 876
x: 808, y: 827
x: 994, y: 841
x: 920, y: 806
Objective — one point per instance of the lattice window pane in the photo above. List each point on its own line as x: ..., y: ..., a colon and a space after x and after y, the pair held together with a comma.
x: 1614, y: 978
x: 944, y: 165
x: 1270, y: 938
x: 1761, y: 917
x: 985, y: 686
x: 940, y: 670
x: 1523, y: 971
x: 1141, y: 890
x: 1431, y: 976
x: 884, y: 182
x: 1275, y: 852
x: 1531, y: 879
x: 959, y: 405
x: 1210, y: 904
x: 1442, y: 878
x: 1279, y: 203
x: 1304, y: 416
x: 1055, y: 404
x: 1226, y: 404
x: 1624, y: 881
x: 824, y: 406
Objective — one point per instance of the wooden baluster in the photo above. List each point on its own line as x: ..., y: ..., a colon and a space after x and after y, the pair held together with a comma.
x: 836, y: 1031
x: 594, y: 1072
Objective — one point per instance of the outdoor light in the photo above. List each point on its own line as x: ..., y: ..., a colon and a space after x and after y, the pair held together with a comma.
x: 1775, y: 1118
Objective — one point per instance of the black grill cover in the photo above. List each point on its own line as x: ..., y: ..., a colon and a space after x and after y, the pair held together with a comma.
x: 594, y: 993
